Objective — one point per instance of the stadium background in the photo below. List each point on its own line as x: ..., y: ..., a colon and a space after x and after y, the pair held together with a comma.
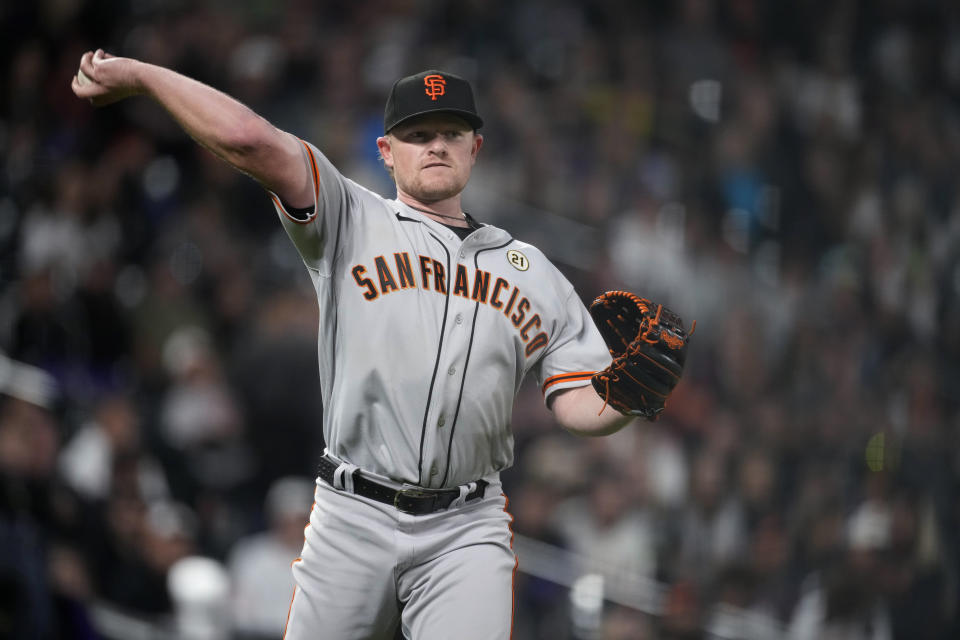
x: 784, y: 173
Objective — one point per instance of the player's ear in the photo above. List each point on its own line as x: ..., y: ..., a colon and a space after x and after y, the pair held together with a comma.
x: 477, y: 143
x: 386, y: 152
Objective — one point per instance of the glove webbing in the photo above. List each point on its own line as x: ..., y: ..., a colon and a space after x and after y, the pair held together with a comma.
x: 671, y: 340
x: 608, y: 303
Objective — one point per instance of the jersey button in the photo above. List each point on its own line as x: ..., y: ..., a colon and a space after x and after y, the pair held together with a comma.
x: 459, y: 318
x: 442, y: 421
x: 462, y: 255
x: 433, y: 470
x: 452, y: 370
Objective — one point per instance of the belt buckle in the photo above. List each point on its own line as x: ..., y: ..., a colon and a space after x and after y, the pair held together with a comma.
x: 410, y: 493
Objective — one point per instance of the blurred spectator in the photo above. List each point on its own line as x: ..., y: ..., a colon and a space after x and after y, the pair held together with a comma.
x: 541, y: 609
x: 87, y: 460
x: 272, y: 366
x: 916, y: 583
x: 26, y: 432
x: 200, y: 590
x: 712, y: 525
x: 842, y: 605
x: 199, y: 416
x: 41, y: 578
x: 141, y: 544
x: 733, y: 616
x: 259, y: 564
x: 845, y: 599
x: 756, y: 485
x: 682, y: 615
x: 601, y: 525
x: 621, y: 623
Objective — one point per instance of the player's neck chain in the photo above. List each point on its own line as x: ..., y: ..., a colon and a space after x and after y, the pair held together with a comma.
x: 462, y: 218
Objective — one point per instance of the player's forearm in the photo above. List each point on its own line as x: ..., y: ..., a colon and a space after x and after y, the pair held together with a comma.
x: 578, y: 411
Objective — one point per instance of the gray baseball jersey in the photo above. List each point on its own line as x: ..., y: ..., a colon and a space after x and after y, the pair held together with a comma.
x: 424, y: 339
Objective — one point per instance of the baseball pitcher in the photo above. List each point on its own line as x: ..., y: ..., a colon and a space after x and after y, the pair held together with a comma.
x: 429, y: 322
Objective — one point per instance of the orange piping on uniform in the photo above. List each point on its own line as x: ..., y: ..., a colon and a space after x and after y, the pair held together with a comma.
x: 290, y: 608
x: 316, y: 190
x: 567, y: 377
x: 316, y: 173
x: 516, y: 564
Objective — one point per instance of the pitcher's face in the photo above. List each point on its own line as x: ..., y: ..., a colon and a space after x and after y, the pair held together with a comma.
x: 431, y: 156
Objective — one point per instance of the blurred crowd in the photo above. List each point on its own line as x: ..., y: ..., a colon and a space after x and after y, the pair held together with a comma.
x: 780, y: 172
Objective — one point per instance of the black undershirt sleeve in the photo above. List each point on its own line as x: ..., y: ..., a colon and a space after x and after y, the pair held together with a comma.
x: 303, y: 213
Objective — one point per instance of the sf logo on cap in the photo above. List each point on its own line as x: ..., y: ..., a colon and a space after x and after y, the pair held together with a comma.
x: 435, y: 85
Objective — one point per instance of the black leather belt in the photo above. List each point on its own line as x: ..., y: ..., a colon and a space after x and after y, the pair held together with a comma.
x: 414, y: 501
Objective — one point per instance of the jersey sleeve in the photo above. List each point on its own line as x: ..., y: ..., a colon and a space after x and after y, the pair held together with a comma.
x: 315, y: 231
x: 576, y: 352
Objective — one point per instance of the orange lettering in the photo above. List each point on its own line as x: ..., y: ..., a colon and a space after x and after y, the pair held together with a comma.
x: 435, y: 86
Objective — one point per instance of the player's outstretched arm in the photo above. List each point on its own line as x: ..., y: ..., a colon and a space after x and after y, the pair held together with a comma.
x: 578, y: 410
x: 229, y: 129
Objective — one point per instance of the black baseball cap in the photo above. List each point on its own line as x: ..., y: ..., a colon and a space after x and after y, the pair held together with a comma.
x: 428, y: 92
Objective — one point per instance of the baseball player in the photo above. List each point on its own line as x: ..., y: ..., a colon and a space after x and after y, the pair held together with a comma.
x: 429, y: 321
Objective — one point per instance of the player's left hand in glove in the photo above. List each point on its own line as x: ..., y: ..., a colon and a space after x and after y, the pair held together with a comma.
x: 649, y: 347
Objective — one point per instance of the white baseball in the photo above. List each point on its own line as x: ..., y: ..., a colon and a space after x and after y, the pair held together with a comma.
x: 82, y: 78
